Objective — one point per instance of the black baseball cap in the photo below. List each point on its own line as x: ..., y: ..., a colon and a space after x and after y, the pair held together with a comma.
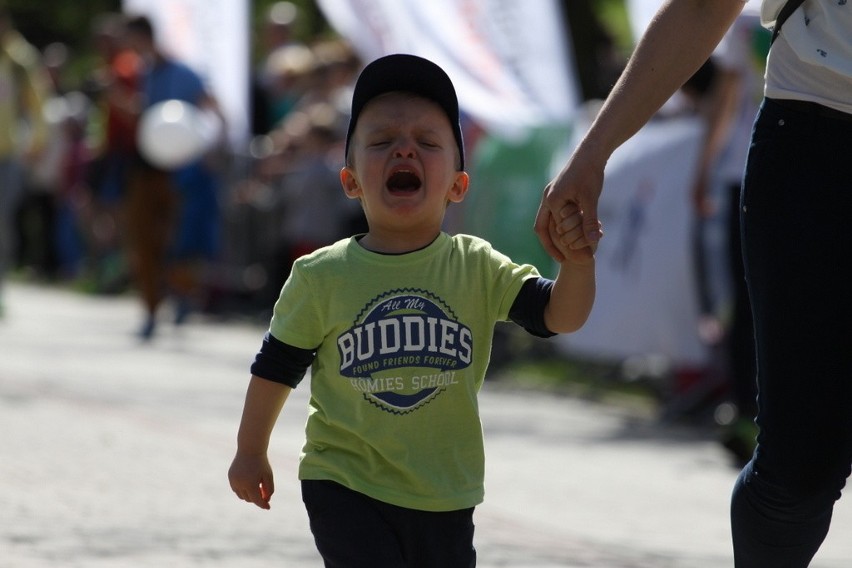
x: 409, y: 73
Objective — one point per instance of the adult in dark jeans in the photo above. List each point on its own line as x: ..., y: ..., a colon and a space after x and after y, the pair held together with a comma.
x: 797, y: 245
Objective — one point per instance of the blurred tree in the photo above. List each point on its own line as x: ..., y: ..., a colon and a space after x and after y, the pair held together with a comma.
x: 66, y: 21
x: 69, y: 21
x: 309, y: 25
x: 597, y: 28
x: 597, y: 34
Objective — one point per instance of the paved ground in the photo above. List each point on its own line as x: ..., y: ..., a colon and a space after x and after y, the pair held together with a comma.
x: 114, y: 454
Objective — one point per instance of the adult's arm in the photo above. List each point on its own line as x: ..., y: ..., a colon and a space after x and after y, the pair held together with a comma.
x: 679, y: 39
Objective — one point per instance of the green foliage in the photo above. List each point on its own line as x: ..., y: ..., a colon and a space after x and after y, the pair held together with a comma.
x: 62, y: 21
x: 613, y: 15
x: 44, y: 22
x: 309, y: 26
x: 67, y: 21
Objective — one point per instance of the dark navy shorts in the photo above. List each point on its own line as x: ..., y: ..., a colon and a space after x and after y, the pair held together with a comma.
x: 352, y: 530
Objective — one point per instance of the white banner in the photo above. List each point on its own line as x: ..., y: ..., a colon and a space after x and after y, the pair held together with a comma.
x: 647, y: 296
x: 510, y: 61
x: 212, y: 37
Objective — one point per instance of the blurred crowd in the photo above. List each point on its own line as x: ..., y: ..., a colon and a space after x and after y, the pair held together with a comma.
x: 82, y: 202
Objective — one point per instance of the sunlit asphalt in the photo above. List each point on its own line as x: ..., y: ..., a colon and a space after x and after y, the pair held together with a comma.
x: 114, y: 453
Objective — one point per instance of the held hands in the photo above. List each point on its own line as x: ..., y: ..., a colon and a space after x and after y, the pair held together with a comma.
x: 567, y: 232
x: 251, y: 479
x: 570, y: 207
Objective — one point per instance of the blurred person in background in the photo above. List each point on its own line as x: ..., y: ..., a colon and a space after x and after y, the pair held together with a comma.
x: 53, y: 217
x: 115, y: 87
x: 23, y: 131
x: 36, y: 218
x: 73, y: 197
x: 288, y: 73
x: 172, y: 216
x: 729, y: 108
x: 283, y: 61
x: 304, y: 160
x: 306, y: 174
x: 329, y: 79
x: 724, y: 94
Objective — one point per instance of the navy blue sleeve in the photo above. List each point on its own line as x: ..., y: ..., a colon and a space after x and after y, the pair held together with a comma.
x: 282, y: 363
x: 528, y: 308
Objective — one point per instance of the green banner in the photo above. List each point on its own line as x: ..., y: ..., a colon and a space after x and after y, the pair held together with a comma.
x: 507, y: 181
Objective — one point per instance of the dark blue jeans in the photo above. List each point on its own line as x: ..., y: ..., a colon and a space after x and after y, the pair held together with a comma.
x: 352, y: 530
x: 797, y: 246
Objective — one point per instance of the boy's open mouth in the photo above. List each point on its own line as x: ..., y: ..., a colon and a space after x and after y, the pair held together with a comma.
x: 403, y: 181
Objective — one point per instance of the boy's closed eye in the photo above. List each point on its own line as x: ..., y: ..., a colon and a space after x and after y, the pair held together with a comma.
x: 378, y: 142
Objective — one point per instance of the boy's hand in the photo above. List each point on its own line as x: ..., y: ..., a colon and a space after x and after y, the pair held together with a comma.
x: 251, y: 479
x: 568, y: 234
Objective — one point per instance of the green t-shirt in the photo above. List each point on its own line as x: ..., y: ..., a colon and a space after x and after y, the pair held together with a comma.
x: 403, y: 342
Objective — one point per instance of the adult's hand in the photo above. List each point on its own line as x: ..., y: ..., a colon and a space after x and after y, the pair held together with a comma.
x: 580, y: 183
x: 679, y: 39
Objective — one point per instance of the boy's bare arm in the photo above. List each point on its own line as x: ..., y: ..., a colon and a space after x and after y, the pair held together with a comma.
x: 573, y: 292
x: 250, y: 474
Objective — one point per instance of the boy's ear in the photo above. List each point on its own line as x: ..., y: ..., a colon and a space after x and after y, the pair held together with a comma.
x: 459, y: 188
x: 350, y: 183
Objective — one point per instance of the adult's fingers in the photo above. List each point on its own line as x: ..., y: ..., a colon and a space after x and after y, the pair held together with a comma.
x: 543, y: 220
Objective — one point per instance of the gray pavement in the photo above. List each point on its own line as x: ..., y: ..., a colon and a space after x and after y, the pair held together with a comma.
x: 114, y: 453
